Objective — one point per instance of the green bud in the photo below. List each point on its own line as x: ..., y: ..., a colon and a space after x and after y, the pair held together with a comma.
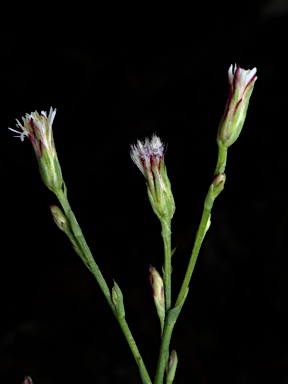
x: 172, y: 365
x: 117, y: 300
x: 60, y: 219
x: 215, y: 189
x: 63, y: 224
x: 157, y: 286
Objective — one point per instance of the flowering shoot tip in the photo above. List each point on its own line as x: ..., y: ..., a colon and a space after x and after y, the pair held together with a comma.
x: 241, y: 84
x: 38, y: 128
x: 148, y: 155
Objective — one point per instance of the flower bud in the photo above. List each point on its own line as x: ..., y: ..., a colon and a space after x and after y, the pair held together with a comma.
x: 149, y: 158
x: 157, y: 286
x: 117, y: 300
x: 60, y: 219
x: 241, y: 83
x: 218, y: 184
x: 172, y: 365
x: 38, y: 128
x: 63, y: 224
x: 215, y: 189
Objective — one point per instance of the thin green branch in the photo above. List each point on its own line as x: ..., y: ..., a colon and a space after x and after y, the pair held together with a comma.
x: 215, y: 188
x: 196, y: 248
x: 93, y: 267
x: 166, y: 337
x: 135, y: 351
x: 166, y: 235
x: 84, y: 247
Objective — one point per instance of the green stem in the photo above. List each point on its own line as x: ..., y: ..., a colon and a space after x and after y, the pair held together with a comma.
x: 220, y: 168
x: 93, y: 267
x: 164, y: 352
x: 135, y: 351
x: 84, y: 247
x: 222, y: 159
x: 166, y: 235
x: 196, y: 248
x: 170, y: 321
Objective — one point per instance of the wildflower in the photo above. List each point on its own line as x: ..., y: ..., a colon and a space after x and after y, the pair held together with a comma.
x: 38, y: 128
x: 241, y: 83
x: 149, y: 158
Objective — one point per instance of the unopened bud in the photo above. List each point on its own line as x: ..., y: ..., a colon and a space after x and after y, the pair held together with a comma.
x: 117, y: 300
x: 172, y: 365
x: 157, y: 286
x: 241, y: 83
x: 59, y: 218
x: 215, y: 189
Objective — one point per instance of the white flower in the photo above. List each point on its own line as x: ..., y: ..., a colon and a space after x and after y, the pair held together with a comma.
x: 240, y: 76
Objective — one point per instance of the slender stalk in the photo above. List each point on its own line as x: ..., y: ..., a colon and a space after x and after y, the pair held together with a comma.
x: 84, y: 247
x: 164, y: 352
x: 93, y: 267
x: 168, y: 326
x: 222, y: 159
x: 166, y: 235
x: 135, y: 351
x: 196, y: 248
x: 220, y: 168
x: 170, y: 321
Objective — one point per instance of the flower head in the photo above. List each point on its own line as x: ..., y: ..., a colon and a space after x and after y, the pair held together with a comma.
x: 146, y: 153
x: 149, y: 158
x: 38, y: 128
x: 241, y: 84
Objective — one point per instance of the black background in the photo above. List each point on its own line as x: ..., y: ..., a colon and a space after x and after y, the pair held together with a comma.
x: 115, y: 75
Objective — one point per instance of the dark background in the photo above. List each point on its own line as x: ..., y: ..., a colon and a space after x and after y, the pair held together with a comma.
x: 116, y: 75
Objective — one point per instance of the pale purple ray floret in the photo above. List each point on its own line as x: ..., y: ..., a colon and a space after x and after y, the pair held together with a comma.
x: 146, y: 153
